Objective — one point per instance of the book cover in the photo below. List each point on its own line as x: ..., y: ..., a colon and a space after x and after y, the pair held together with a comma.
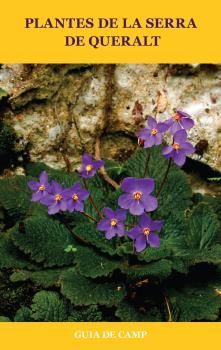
x: 110, y: 175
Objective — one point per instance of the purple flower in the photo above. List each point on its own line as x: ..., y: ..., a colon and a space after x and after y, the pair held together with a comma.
x: 89, y: 166
x: 113, y: 223
x: 137, y: 198
x: 55, y: 199
x: 179, y: 149
x: 143, y: 234
x: 153, y: 135
x: 41, y: 187
x: 180, y: 120
x: 74, y: 197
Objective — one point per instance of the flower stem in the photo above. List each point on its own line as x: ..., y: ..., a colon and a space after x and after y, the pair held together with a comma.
x: 165, y: 178
x: 146, y: 163
x: 89, y: 216
x: 170, y: 319
x: 92, y: 201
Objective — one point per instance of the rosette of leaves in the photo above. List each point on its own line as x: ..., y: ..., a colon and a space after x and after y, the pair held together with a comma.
x: 81, y: 276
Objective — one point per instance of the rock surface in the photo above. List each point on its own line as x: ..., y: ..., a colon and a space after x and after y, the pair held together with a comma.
x: 56, y: 110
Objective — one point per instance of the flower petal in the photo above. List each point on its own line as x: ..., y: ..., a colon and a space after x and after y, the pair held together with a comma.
x: 187, y: 123
x: 140, y: 243
x: 125, y: 200
x: 134, y: 232
x: 167, y: 150
x: 120, y: 214
x: 56, y: 187
x: 37, y: 196
x: 149, y: 203
x: 175, y: 127
x: 145, y: 221
x: 53, y: 209
x: 97, y: 164
x: 87, y: 159
x: 145, y: 185
x: 180, y: 136
x: 144, y: 133
x: 33, y: 185
x: 156, y: 225
x: 153, y: 240
x: 109, y: 213
x: 158, y: 139
x: 120, y: 229
x: 136, y: 207
x: 188, y: 148
x: 103, y: 225
x: 152, y: 123
x: 110, y: 234
x: 129, y: 184
x: 44, y: 177
x: 149, y: 141
x: 162, y: 127
x: 179, y: 157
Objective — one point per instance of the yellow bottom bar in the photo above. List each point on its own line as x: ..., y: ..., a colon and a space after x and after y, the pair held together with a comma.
x: 100, y: 336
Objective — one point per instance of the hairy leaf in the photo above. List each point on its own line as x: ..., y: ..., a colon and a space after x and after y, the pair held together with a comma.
x: 23, y: 315
x: 129, y: 313
x: 86, y: 314
x: 195, y: 304
x: 90, y: 235
x: 90, y: 263
x: 48, y: 307
x: 83, y: 291
x: 203, y: 227
x: 44, y: 239
x: 45, y: 278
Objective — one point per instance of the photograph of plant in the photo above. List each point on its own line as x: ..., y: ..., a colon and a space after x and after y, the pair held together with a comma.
x: 110, y: 196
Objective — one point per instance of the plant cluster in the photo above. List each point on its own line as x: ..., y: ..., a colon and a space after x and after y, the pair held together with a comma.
x: 146, y: 250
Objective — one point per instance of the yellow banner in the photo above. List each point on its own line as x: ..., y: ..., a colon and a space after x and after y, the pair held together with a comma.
x: 115, y: 32
x: 109, y: 336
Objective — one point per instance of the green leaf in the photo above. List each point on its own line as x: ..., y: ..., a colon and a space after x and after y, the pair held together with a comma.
x: 15, y: 196
x: 90, y: 263
x: 160, y: 269
x: 175, y: 196
x: 82, y: 291
x: 44, y: 239
x: 195, y: 304
x: 86, y: 314
x: 203, y: 227
x: 45, y: 278
x: 4, y: 319
x: 11, y: 257
x: 23, y: 315
x: 90, y: 235
x: 152, y: 254
x: 129, y: 313
x: 48, y: 307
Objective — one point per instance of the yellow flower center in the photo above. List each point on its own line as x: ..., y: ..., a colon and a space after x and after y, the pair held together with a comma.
x: 75, y: 197
x: 89, y: 167
x: 113, y: 222
x: 137, y: 195
x: 176, y: 146
x: 41, y: 188
x: 176, y: 117
x: 58, y: 197
x: 154, y: 131
x: 146, y: 231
